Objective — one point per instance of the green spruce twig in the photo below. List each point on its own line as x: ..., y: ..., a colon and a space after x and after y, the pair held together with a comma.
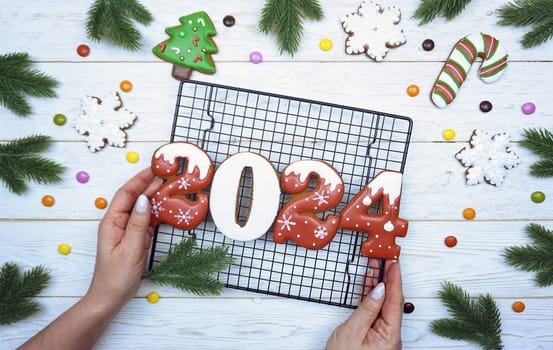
x: 536, y: 257
x: 477, y: 321
x: 540, y: 142
x: 190, y: 269
x: 113, y: 19
x: 20, y: 162
x: 18, y: 79
x: 535, y: 13
x: 285, y: 19
x: 16, y: 291
x: 428, y: 10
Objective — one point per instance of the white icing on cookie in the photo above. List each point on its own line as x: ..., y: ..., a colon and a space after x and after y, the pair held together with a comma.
x: 303, y: 168
x: 265, y: 196
x: 389, y: 182
x: 194, y: 155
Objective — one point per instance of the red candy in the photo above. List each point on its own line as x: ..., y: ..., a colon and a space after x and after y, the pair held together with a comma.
x: 83, y: 50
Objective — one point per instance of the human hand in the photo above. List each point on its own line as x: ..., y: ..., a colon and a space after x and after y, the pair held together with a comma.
x: 124, y: 238
x: 376, y: 323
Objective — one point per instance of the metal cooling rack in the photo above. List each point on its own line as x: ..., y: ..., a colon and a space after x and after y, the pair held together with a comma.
x: 358, y: 143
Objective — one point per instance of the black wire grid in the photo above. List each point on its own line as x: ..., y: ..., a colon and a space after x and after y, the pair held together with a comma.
x: 358, y: 143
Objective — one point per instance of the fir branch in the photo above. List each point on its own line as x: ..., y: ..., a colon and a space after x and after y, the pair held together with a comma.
x: 16, y: 292
x: 19, y: 161
x: 285, y: 19
x: 536, y: 257
x: 535, y: 13
x: 540, y: 142
x: 17, y: 79
x: 114, y: 19
x: 428, y: 10
x: 190, y: 269
x: 477, y: 321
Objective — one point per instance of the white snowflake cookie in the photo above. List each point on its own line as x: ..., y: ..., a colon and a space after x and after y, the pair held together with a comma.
x: 102, y: 121
x: 488, y: 158
x: 373, y: 30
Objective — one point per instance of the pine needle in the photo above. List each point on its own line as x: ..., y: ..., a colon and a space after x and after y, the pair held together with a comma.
x: 285, y: 19
x: 540, y: 142
x: 20, y: 162
x: 428, y: 10
x: 189, y: 269
x: 536, y: 257
x: 535, y: 13
x: 114, y: 19
x: 17, y: 79
x: 16, y: 292
x: 477, y: 321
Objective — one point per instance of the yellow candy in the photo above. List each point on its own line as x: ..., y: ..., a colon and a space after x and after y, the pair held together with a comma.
x: 448, y: 134
x: 325, y: 44
x: 132, y: 157
x: 64, y: 249
x: 152, y: 297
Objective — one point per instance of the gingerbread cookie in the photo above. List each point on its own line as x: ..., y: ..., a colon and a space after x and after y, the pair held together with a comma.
x: 170, y: 203
x: 383, y: 227
x: 297, y: 220
x: 190, y: 46
x: 264, y: 200
x: 373, y: 30
x: 488, y: 158
x: 461, y: 59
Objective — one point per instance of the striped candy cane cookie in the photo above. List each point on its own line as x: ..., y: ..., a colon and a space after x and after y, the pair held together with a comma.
x: 461, y: 59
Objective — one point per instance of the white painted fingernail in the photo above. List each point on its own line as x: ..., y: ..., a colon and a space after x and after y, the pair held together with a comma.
x: 378, y: 292
x: 141, y: 205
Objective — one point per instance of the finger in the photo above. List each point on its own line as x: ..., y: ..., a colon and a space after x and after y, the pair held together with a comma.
x: 363, y: 317
x: 126, y: 196
x: 392, y: 310
x: 137, y: 227
x: 372, y: 275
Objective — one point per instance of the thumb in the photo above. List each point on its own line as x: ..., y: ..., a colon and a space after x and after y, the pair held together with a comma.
x: 366, y: 313
x: 137, y: 226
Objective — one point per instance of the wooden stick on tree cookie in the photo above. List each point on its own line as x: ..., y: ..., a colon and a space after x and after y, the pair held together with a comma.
x: 190, y: 46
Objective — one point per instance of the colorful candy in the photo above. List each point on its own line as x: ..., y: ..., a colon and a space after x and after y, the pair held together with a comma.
x: 229, y: 21
x: 48, y: 200
x: 518, y: 306
x: 60, y: 119
x: 101, y: 203
x: 83, y: 50
x: 469, y: 213
x: 82, y: 177
x: 132, y: 157
x: 125, y: 86
x: 450, y: 241
x: 64, y: 249
x: 448, y: 134
x: 428, y: 45
x: 153, y: 297
x: 413, y: 90
x: 256, y: 57
x: 486, y: 106
x: 325, y: 44
x: 538, y: 197
x: 528, y: 108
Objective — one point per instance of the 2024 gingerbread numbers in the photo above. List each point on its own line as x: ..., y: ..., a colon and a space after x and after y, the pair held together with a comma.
x: 297, y: 221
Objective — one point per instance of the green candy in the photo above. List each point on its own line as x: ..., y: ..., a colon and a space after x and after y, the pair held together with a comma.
x: 538, y: 197
x: 60, y: 119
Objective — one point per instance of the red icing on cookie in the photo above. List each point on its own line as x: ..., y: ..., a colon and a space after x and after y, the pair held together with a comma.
x: 197, y: 58
x: 170, y: 203
x: 383, y: 227
x: 297, y: 220
x: 195, y: 41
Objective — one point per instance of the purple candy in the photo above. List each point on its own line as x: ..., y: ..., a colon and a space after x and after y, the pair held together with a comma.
x: 82, y: 177
x: 256, y: 57
x: 528, y: 108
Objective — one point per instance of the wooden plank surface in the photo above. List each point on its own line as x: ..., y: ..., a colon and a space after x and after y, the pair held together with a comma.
x: 434, y: 189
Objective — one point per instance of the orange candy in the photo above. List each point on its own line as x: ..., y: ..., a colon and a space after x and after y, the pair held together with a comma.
x: 518, y: 306
x: 413, y: 90
x: 101, y: 203
x: 125, y: 86
x: 48, y: 200
x: 450, y: 241
x: 469, y: 213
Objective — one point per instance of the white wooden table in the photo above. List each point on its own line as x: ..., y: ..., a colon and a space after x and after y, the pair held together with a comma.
x: 434, y: 193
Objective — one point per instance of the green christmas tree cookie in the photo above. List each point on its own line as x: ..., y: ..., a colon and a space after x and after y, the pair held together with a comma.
x: 190, y: 46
